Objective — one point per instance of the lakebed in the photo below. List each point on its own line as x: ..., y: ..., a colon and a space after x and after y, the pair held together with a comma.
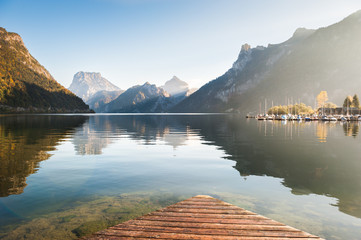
x: 65, y: 176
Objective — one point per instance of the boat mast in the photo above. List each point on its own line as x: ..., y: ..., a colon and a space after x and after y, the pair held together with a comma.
x: 265, y: 106
x: 260, y: 107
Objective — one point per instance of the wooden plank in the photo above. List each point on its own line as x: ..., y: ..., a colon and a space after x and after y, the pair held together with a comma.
x: 109, y: 237
x: 211, y: 225
x: 209, y: 211
x: 231, y: 207
x: 203, y: 218
x: 192, y: 200
x: 212, y: 220
x: 208, y: 215
x: 161, y: 235
x: 208, y: 203
x: 212, y: 231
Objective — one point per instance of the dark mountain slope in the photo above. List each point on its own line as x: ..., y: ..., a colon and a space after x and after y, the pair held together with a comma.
x: 25, y: 85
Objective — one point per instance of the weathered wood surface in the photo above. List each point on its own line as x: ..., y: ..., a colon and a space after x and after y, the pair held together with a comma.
x: 202, y: 217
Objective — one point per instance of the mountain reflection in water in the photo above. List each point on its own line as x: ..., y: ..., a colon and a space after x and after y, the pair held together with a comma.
x: 316, y: 159
x: 97, y: 133
x: 313, y: 157
x: 302, y: 161
x: 25, y: 141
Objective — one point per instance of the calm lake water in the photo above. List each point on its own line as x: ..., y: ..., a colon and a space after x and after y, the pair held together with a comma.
x: 64, y: 176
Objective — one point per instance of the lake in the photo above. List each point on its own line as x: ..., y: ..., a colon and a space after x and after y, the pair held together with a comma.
x: 65, y: 176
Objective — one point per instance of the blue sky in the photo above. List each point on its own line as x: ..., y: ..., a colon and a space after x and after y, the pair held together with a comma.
x: 133, y: 41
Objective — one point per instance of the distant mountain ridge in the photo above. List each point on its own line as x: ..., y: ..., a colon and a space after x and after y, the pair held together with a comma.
x: 86, y: 84
x: 141, y: 98
x: 26, y: 86
x: 310, y: 61
x: 149, y: 98
x: 98, y: 100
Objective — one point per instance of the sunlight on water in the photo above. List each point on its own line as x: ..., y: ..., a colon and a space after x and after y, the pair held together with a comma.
x: 66, y: 176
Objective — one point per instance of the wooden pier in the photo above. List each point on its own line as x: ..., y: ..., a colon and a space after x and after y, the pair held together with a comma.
x: 202, y: 217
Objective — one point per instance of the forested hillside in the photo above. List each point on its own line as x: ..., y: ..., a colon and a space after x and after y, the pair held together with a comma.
x: 26, y: 86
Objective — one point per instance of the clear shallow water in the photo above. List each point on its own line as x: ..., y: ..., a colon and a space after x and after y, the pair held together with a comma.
x: 63, y: 176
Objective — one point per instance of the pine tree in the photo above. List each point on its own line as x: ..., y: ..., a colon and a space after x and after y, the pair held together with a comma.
x: 355, y: 101
x: 347, y: 102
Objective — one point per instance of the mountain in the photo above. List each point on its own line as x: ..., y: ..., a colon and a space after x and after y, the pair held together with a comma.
x: 175, y: 86
x: 141, y: 98
x: 100, y: 98
x: 178, y: 90
x: 310, y: 61
x: 86, y: 84
x: 147, y: 98
x: 26, y: 86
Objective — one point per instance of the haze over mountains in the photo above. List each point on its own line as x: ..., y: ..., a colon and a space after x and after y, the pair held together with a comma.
x: 310, y: 61
x: 149, y: 98
x: 26, y: 86
x: 177, y: 87
x: 297, y: 69
x: 103, y: 96
x: 141, y: 98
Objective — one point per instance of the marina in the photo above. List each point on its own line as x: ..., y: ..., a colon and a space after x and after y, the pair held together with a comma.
x: 292, y: 117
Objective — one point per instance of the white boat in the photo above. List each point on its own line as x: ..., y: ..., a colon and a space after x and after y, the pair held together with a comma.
x: 324, y: 118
